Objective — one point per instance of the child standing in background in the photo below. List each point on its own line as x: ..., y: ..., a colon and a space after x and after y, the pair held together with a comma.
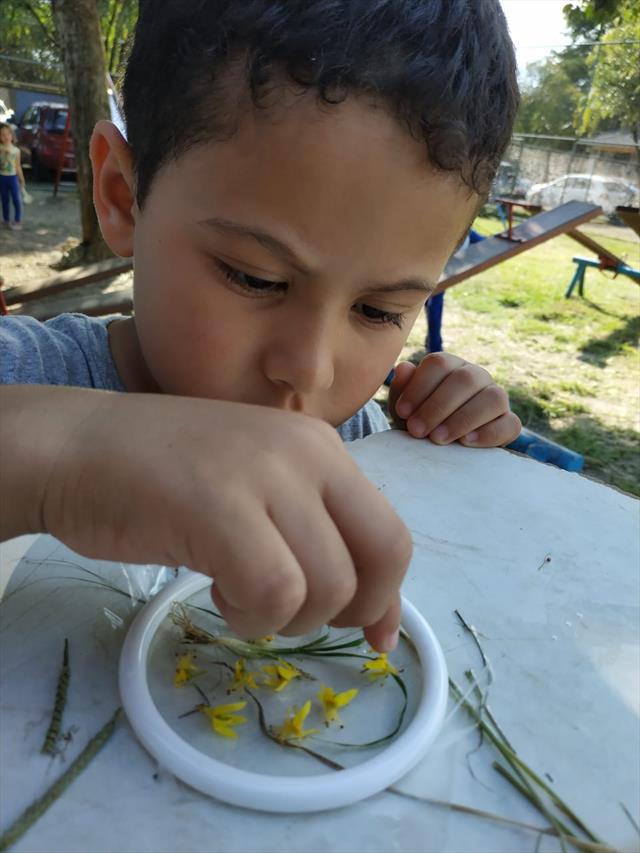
x: 11, y: 179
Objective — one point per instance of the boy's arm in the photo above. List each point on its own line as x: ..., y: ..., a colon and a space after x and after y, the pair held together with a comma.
x: 20, y: 476
x: 33, y: 423
x: 268, y: 503
x: 448, y: 399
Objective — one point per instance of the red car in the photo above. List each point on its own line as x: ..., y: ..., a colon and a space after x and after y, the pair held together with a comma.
x: 40, y: 135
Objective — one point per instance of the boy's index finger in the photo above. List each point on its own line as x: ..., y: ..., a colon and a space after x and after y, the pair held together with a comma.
x: 383, y: 635
x: 378, y: 541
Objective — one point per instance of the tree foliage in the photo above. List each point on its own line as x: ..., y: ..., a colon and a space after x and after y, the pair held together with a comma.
x: 615, y: 67
x: 590, y: 19
x: 551, y: 93
x: 594, y: 84
x: 28, y: 33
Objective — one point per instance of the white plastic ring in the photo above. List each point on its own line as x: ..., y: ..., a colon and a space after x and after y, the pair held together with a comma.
x: 269, y: 792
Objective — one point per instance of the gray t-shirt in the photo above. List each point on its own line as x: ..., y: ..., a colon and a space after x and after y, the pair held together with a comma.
x: 73, y: 349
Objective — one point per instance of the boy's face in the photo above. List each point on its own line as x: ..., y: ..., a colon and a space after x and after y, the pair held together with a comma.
x: 285, y: 267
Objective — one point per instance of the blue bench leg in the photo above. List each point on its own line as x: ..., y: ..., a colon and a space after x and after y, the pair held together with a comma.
x: 434, y: 307
x: 578, y: 278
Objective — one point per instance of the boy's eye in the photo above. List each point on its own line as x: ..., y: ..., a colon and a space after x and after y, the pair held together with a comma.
x: 377, y: 316
x: 249, y: 282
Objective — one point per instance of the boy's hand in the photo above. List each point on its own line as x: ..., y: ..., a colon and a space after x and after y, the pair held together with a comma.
x: 448, y: 399
x: 267, y: 503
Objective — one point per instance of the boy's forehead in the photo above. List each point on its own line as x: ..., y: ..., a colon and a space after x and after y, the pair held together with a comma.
x: 342, y: 181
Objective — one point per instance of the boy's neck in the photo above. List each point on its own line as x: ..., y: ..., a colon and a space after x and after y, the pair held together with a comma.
x: 128, y: 358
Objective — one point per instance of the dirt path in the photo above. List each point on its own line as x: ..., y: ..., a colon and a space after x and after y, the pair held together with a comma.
x: 51, y: 227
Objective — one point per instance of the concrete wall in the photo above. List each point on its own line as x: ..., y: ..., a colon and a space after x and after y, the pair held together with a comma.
x: 545, y: 164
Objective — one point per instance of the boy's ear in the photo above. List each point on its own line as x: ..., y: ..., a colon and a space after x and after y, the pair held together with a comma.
x: 113, y: 187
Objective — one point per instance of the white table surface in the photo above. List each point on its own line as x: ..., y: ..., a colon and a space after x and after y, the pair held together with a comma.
x: 562, y: 637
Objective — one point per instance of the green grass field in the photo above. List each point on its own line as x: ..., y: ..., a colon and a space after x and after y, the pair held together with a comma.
x: 571, y: 366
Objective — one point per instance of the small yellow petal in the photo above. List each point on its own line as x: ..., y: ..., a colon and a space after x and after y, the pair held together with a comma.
x: 379, y: 667
x: 224, y: 730
x: 222, y: 719
x: 344, y: 698
x: 225, y: 709
x: 185, y: 670
x: 302, y: 714
x: 292, y: 728
x: 280, y: 675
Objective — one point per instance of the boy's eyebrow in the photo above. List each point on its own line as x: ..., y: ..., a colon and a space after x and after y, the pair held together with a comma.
x: 275, y: 245
x: 420, y: 284
x: 263, y: 237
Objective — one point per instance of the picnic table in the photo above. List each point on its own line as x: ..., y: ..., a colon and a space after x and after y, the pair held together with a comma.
x: 541, y: 563
x: 503, y: 202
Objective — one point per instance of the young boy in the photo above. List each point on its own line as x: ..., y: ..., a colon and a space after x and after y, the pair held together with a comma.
x: 295, y: 178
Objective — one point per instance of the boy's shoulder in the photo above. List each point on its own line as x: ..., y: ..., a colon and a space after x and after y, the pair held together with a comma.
x: 71, y: 349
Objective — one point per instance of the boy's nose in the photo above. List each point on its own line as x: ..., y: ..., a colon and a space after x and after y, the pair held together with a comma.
x: 300, y: 357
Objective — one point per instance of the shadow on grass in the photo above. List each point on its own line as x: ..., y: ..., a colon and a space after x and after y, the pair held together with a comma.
x: 599, y: 350
x: 610, y: 455
x: 600, y: 310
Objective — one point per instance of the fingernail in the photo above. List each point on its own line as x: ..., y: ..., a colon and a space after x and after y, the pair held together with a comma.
x: 403, y: 408
x: 440, y: 433
x: 390, y: 642
x: 471, y: 437
x: 417, y: 427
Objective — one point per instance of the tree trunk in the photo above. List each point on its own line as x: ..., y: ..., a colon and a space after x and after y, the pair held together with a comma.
x: 78, y: 28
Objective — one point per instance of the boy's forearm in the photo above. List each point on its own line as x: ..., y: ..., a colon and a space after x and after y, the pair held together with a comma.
x: 36, y: 422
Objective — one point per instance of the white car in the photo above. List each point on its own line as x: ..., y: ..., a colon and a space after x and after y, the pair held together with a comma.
x: 596, y: 189
x: 6, y: 114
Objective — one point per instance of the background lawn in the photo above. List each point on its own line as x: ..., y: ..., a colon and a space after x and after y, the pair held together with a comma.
x: 570, y: 365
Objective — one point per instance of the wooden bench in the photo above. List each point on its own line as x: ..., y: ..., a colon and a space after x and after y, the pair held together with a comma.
x: 74, y: 277
x: 581, y: 267
x: 533, y: 231
x: 510, y: 203
x: 32, y: 299
x: 630, y: 216
x: 116, y: 302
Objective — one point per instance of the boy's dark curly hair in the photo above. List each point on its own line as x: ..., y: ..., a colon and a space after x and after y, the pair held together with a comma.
x: 446, y: 68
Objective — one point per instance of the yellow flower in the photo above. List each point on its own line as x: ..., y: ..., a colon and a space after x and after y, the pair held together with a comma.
x: 222, y: 717
x: 379, y: 668
x: 242, y: 677
x: 280, y: 674
x: 332, y: 701
x: 292, y: 728
x: 185, y: 670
